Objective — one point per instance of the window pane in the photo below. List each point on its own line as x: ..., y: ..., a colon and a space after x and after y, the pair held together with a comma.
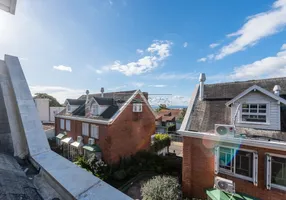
x: 278, y: 175
x: 245, y: 105
x: 244, y: 163
x: 226, y: 158
x: 254, y: 118
x: 262, y: 106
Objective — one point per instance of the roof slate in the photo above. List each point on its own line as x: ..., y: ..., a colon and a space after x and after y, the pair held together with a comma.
x: 212, y: 110
x: 76, y: 102
x: 232, y: 89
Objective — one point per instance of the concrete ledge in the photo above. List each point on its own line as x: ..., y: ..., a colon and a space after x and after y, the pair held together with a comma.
x: 78, y: 182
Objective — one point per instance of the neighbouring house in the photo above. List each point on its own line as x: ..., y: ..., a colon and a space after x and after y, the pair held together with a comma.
x: 112, y: 125
x: 167, y: 120
x: 46, y: 112
x: 235, y: 139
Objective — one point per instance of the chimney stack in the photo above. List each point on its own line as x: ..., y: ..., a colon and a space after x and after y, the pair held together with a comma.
x: 87, y: 93
x: 102, y: 91
x: 277, y: 90
x: 202, y: 80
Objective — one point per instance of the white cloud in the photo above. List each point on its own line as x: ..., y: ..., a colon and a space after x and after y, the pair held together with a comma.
x: 158, y: 86
x: 202, y: 60
x: 185, y: 44
x: 159, y: 51
x: 138, y: 84
x: 63, y: 68
x: 60, y: 93
x: 256, y: 28
x: 172, y: 76
x: 213, y: 45
x: 283, y: 47
x: 274, y: 66
x: 168, y: 99
x: 117, y: 88
x: 140, y: 51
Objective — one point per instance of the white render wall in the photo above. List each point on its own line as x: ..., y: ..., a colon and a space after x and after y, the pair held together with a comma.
x: 257, y: 97
x: 54, y: 111
x: 43, y: 109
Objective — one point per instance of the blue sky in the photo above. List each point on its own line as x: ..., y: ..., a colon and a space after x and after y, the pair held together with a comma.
x: 66, y: 47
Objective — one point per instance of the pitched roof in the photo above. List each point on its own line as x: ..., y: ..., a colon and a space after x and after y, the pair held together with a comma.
x: 117, y: 96
x: 80, y: 111
x: 232, y: 89
x: 110, y: 111
x: 76, y: 102
x: 104, y: 100
x: 213, y: 110
x: 168, y: 115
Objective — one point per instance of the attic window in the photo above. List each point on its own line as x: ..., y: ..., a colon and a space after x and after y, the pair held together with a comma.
x: 68, y: 108
x: 254, y: 113
x: 137, y: 107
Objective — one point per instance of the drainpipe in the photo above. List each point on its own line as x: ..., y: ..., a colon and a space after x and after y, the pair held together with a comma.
x: 202, y: 79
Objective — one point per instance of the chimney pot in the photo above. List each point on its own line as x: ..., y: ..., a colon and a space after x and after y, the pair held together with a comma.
x: 102, y: 91
x: 277, y: 90
x: 87, y: 93
x: 202, y: 79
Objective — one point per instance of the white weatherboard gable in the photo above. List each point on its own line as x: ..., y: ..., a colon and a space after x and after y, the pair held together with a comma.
x: 256, y: 88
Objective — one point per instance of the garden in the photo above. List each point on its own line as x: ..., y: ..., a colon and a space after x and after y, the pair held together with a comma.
x: 132, y: 173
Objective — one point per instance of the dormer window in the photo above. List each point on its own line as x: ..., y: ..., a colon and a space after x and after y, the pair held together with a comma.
x: 94, y: 109
x: 137, y: 107
x: 68, y: 108
x: 254, y: 112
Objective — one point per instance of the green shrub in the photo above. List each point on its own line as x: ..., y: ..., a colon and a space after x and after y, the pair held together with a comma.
x: 160, y: 141
x: 161, y: 188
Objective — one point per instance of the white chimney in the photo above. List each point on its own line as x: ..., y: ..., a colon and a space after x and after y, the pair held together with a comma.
x: 87, y: 93
x: 202, y: 80
x: 102, y: 91
x: 277, y: 90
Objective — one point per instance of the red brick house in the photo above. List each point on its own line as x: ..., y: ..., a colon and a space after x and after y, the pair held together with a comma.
x: 166, y: 120
x: 234, y: 144
x: 112, y: 125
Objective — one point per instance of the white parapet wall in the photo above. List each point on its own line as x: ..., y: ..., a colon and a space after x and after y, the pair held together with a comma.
x: 54, y: 111
x: 66, y: 178
x: 43, y: 107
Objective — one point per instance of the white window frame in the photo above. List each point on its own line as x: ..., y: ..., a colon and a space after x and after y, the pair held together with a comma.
x: 68, y: 125
x: 269, y: 184
x: 94, y: 131
x: 217, y: 169
x: 62, y: 124
x: 68, y: 108
x: 255, y: 114
x: 85, y: 129
x: 137, y: 107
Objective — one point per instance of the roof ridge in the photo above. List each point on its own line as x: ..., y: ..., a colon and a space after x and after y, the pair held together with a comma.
x: 247, y: 81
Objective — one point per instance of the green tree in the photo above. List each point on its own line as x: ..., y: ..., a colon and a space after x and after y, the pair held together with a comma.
x: 53, y: 101
x: 182, y: 115
x: 161, y: 188
x: 161, y: 107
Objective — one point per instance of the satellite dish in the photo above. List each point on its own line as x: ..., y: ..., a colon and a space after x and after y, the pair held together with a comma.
x: 222, y: 130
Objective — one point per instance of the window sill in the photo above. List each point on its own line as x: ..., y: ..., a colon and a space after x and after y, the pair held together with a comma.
x: 279, y: 187
x: 256, y: 123
x: 236, y: 175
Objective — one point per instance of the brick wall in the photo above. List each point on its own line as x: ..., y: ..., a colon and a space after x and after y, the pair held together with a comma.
x: 129, y: 133
x: 198, y: 171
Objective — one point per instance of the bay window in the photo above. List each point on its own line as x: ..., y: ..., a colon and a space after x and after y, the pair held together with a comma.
x: 254, y: 112
x: 276, y: 171
x: 236, y: 162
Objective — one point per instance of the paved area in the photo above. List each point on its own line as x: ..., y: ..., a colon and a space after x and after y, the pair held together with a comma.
x: 176, y: 147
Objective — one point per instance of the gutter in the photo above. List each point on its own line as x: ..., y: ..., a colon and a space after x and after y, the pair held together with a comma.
x: 281, y: 146
x: 84, y: 119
